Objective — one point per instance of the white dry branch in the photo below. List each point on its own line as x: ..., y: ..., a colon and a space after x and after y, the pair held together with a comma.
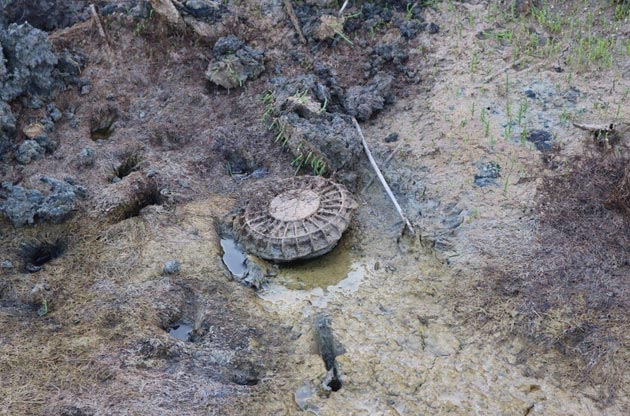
x: 381, y: 178
x: 343, y: 7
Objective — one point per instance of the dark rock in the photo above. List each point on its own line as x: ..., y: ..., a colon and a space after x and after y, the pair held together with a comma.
x: 24, y: 206
x: 541, y: 138
x: 69, y: 67
x: 487, y: 174
x: 7, y: 126
x: 86, y: 157
x: 410, y: 28
x: 46, y: 15
x: 363, y: 101
x: 227, y: 45
x: 171, y: 267
x: 30, y: 63
x: 432, y: 28
x: 205, y: 9
x: 234, y: 63
x: 29, y: 151
x: 391, y: 138
x: 47, y: 143
x: 54, y: 112
x: 139, y: 9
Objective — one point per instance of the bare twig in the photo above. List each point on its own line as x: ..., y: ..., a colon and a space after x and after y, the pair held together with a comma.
x: 294, y: 20
x: 343, y: 7
x: 595, y: 128
x: 367, y: 185
x: 99, y: 26
x: 381, y: 178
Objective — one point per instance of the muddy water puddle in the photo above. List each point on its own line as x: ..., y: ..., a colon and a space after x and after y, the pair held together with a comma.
x: 234, y: 257
x: 180, y: 330
x: 321, y: 272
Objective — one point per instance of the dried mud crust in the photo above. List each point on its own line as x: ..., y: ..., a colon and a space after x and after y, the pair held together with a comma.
x: 296, y: 218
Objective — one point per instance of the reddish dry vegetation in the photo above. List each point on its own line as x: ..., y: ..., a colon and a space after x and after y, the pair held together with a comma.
x: 572, y: 288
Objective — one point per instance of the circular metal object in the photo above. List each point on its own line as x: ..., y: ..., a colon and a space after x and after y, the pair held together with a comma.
x: 296, y: 218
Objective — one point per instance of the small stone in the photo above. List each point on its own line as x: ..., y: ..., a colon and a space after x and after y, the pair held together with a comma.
x: 487, y: 174
x: 86, y: 157
x: 391, y: 137
x: 85, y: 90
x: 171, y: 267
x: 29, y: 151
x: 54, y: 112
x: 432, y: 28
x: 6, y: 265
x: 34, y: 130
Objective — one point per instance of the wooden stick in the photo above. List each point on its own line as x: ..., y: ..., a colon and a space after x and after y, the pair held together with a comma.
x: 343, y: 7
x: 99, y: 26
x: 294, y: 20
x: 381, y: 178
x: 384, y: 165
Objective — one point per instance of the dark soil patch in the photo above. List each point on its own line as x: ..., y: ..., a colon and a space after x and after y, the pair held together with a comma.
x: 39, y: 252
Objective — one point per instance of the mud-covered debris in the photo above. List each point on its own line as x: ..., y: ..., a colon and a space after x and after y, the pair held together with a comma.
x: 297, y: 93
x: 487, y: 174
x: 328, y: 348
x: 171, y: 267
x: 363, y: 101
x: 24, y: 206
x: 330, y: 139
x: 313, y: 134
x: 234, y: 63
x: 29, y: 151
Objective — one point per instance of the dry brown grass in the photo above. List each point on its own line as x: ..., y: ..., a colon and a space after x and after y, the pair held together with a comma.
x: 570, y: 291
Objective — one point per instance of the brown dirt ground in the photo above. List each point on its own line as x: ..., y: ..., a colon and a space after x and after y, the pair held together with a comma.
x: 103, y: 349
